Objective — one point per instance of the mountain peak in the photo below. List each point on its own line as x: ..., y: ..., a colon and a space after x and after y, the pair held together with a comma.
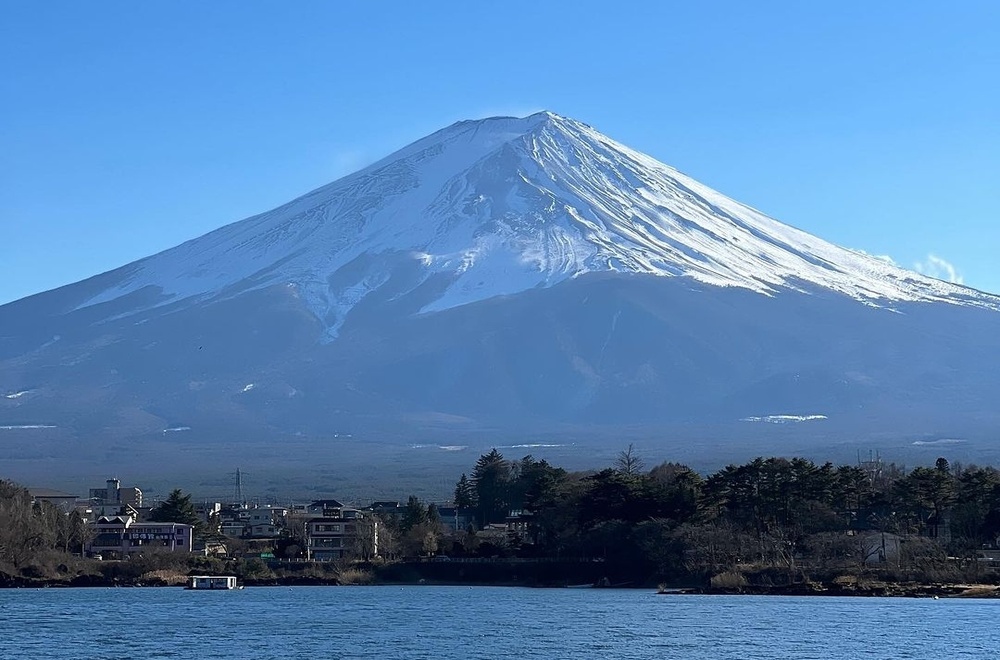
x: 501, y: 205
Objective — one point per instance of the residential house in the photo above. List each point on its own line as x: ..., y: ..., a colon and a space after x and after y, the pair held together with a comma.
x: 233, y: 529
x: 938, y: 527
x: 495, y: 533
x: 265, y: 522
x: 519, y: 526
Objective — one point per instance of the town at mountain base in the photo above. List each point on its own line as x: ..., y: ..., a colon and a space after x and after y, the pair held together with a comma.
x: 768, y: 526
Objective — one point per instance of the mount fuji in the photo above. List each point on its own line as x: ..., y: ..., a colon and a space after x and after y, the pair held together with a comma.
x: 522, y: 282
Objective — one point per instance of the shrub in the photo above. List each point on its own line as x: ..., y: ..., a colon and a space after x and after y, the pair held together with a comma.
x: 728, y: 580
x: 354, y: 576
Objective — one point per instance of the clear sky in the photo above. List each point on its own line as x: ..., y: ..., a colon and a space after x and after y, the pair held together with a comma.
x: 129, y: 127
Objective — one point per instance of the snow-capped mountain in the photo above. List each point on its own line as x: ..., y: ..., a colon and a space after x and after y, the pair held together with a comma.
x: 524, y: 278
x: 504, y: 205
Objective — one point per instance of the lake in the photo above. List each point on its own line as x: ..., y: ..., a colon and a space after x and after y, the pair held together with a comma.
x: 482, y: 622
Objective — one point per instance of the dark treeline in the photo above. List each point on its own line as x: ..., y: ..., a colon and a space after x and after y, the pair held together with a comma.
x: 788, y: 516
x: 29, y: 529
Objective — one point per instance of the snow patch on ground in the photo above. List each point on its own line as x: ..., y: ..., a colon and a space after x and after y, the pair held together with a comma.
x: 942, y: 441
x: 784, y: 419
x: 442, y: 447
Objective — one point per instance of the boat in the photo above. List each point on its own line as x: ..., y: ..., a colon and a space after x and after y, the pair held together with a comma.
x: 209, y: 582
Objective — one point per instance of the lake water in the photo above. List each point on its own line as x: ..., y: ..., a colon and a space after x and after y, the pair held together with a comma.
x: 482, y: 622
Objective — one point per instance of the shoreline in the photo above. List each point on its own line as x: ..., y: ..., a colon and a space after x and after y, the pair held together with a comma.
x: 881, y: 590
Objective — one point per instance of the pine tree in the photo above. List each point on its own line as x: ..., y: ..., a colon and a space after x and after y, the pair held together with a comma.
x: 465, y: 494
x: 177, y: 508
x: 491, y: 481
x: 628, y: 462
x: 415, y: 513
x: 433, y: 516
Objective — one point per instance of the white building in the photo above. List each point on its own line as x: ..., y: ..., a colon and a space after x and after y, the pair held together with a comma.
x: 119, y: 536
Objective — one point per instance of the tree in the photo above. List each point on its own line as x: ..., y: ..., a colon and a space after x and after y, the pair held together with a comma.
x: 533, y: 483
x: 415, y: 513
x: 465, y: 493
x: 927, y: 493
x: 491, y: 480
x: 177, y: 508
x: 433, y: 516
x: 80, y: 533
x: 364, y: 546
x: 19, y: 531
x: 629, y: 463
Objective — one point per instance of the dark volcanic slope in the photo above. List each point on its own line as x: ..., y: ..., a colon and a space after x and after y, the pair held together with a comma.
x: 590, y: 363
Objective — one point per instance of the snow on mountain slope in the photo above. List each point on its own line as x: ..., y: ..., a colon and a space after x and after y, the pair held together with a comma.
x: 503, y: 205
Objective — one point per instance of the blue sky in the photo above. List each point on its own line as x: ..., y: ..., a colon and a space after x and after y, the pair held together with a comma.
x: 127, y: 128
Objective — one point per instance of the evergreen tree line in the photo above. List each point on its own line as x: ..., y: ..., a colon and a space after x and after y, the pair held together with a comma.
x: 670, y: 521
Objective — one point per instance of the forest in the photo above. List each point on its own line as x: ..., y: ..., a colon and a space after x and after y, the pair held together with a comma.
x: 788, y: 520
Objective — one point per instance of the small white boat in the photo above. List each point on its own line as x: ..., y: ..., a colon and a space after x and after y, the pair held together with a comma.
x: 212, y: 582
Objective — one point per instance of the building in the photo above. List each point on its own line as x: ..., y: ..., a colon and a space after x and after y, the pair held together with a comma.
x: 455, y: 519
x: 323, y: 508
x: 520, y: 526
x: 60, y: 500
x: 235, y: 529
x: 265, y: 522
x: 207, y: 510
x: 342, y: 533
x: 113, y: 500
x: 212, y: 582
x: 386, y: 508
x: 119, y: 536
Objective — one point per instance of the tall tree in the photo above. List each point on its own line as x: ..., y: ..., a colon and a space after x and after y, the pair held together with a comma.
x: 628, y: 462
x: 415, y: 513
x: 177, y: 508
x: 465, y: 493
x: 491, y: 480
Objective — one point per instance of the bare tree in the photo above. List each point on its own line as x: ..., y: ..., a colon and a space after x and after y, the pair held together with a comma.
x: 629, y: 463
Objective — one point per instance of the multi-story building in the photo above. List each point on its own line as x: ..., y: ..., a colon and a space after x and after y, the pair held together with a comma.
x: 118, y: 536
x: 324, y: 508
x: 342, y: 533
x: 113, y: 500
